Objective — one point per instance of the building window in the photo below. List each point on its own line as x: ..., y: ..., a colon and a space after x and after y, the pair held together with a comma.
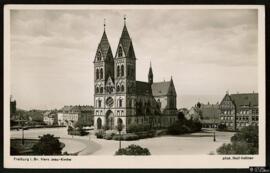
x: 101, y: 112
x: 120, y: 52
x: 99, y: 103
x: 118, y: 112
x: 97, y: 74
x: 99, y: 56
x: 128, y: 71
x: 120, y: 102
x: 97, y: 90
x: 101, y: 89
x: 122, y: 88
x: 101, y: 73
x: 118, y: 71
x: 122, y: 70
x: 122, y: 113
x: 118, y: 88
x: 97, y: 112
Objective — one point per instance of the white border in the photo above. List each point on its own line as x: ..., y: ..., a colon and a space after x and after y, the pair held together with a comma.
x: 164, y: 161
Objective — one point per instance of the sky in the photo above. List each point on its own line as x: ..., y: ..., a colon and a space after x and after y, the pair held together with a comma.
x: 207, y: 52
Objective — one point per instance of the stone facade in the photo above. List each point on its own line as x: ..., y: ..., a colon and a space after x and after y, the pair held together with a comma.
x: 119, y: 98
x: 69, y: 115
x: 239, y: 110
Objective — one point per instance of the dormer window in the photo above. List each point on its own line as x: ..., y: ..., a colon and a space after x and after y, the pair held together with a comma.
x: 120, y: 52
x: 99, y: 56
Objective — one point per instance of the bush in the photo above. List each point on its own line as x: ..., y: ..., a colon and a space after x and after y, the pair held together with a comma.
x: 147, y: 134
x: 130, y: 137
x: 243, y: 142
x: 78, y: 132
x: 133, y: 150
x: 47, y: 145
x: 221, y: 127
x: 133, y: 128
x: 126, y: 137
x: 184, y: 126
x: 99, y: 134
x: 108, y: 136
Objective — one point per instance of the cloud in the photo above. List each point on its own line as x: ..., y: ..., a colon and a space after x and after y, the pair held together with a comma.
x: 198, y: 47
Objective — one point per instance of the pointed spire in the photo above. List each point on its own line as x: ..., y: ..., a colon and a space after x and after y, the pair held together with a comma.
x: 104, y: 24
x: 104, y: 45
x: 150, y: 75
x: 125, y: 42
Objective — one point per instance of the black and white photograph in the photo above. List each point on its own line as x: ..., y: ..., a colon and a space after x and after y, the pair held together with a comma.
x: 127, y: 83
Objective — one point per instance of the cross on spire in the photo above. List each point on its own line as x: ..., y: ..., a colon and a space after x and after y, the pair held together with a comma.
x: 125, y: 18
x: 104, y: 24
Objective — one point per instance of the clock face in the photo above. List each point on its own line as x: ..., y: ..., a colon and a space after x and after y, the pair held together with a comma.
x: 109, y: 101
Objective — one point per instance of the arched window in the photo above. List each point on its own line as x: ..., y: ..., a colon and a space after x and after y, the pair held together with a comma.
x: 128, y: 71
x: 122, y: 70
x: 101, y: 73
x: 132, y: 72
x: 97, y: 74
x: 99, y: 56
x: 97, y: 90
x: 120, y: 52
x: 122, y: 88
x: 118, y: 71
x: 101, y: 90
x: 118, y: 88
x: 99, y: 103
x: 120, y: 102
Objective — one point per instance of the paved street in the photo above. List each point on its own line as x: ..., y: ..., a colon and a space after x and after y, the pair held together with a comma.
x: 195, y: 143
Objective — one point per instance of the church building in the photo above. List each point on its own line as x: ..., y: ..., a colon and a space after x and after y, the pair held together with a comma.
x: 120, y: 98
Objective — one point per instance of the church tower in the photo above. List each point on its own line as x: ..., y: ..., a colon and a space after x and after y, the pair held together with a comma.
x: 103, y: 71
x: 150, y: 75
x: 125, y: 77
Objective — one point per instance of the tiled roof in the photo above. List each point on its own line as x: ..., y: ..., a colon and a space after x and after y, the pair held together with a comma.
x: 104, y: 46
x: 160, y: 88
x: 125, y: 40
x: 142, y: 88
x: 247, y: 99
x: 210, y: 111
x: 126, y: 43
x: 77, y: 108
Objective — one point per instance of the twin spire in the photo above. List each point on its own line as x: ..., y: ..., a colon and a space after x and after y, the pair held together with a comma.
x: 125, y: 42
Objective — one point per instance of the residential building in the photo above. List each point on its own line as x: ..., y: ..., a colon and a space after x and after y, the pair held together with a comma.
x: 239, y: 110
x: 69, y: 115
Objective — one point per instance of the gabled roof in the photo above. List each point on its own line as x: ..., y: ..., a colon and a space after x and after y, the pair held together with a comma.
x: 110, y: 79
x: 142, y: 88
x: 246, y: 99
x: 210, y: 111
x: 160, y: 88
x: 163, y: 88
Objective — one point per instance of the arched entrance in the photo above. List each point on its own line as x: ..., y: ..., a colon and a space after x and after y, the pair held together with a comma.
x: 119, y: 121
x: 109, y: 120
x: 99, y: 123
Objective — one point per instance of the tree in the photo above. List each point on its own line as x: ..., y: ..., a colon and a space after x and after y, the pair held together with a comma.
x: 180, y: 116
x: 243, y: 142
x: 47, y: 145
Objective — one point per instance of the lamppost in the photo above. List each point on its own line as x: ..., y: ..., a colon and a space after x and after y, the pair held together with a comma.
x: 119, y: 129
x: 214, y: 127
